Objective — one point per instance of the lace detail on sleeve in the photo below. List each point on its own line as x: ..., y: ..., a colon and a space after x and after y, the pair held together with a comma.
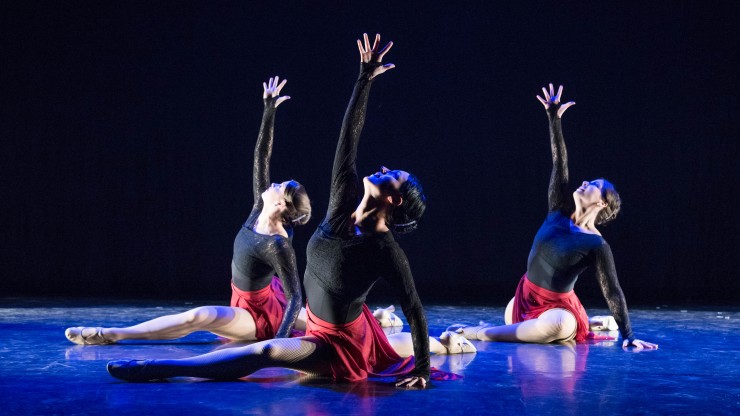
x: 262, y: 155
x: 284, y: 264
x: 557, y: 195
x: 403, y: 283
x: 606, y: 273
x: 344, y: 179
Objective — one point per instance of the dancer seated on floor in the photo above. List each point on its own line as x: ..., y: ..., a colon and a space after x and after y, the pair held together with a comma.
x: 545, y: 308
x: 351, y: 249
x: 262, y: 305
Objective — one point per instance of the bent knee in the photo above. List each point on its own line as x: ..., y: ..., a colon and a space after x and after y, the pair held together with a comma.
x: 199, y: 316
x: 561, y: 324
x: 509, y: 313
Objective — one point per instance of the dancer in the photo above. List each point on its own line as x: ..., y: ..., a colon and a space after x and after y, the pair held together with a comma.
x: 262, y: 306
x: 545, y: 308
x: 347, y: 254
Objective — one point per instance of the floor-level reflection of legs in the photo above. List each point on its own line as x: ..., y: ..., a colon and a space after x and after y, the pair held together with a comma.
x: 305, y: 354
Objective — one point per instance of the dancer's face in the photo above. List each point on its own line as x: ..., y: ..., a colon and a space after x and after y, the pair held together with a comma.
x: 387, y: 181
x: 275, y: 194
x: 589, y: 193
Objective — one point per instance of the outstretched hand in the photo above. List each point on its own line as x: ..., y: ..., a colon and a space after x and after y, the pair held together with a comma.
x: 373, y: 55
x: 411, y: 382
x: 552, y: 101
x: 272, y: 90
x: 639, y: 345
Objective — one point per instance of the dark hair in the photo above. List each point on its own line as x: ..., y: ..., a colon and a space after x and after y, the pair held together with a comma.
x: 613, y: 203
x: 299, y: 206
x: 405, y: 218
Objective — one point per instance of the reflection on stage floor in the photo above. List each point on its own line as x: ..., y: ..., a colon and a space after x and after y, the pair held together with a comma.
x: 695, y: 371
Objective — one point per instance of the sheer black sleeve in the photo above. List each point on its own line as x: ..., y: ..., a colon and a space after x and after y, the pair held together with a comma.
x: 557, y: 195
x: 403, y: 284
x: 344, y: 180
x: 606, y: 273
x: 284, y: 264
x: 262, y: 155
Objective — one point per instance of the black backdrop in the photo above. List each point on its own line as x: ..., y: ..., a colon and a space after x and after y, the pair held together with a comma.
x: 128, y: 129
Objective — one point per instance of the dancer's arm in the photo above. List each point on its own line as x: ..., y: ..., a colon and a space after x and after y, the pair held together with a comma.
x: 263, y: 147
x: 405, y: 289
x: 286, y: 268
x: 344, y: 179
x: 557, y: 195
x: 606, y: 273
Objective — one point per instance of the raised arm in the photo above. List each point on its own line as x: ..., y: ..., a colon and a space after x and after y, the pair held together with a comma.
x: 344, y: 180
x: 606, y: 273
x: 405, y: 290
x: 263, y: 147
x: 558, y: 191
x: 285, y: 267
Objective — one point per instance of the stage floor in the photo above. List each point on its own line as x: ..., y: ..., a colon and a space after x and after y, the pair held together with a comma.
x: 695, y: 371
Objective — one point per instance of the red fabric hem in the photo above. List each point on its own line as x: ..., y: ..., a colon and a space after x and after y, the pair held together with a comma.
x: 266, y: 306
x: 531, y: 301
x: 359, y: 348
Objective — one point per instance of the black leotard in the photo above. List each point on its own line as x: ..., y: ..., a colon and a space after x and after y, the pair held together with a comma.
x: 343, y: 266
x: 258, y: 257
x: 560, y: 252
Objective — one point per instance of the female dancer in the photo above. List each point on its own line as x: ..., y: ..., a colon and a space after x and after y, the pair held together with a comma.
x: 262, y: 306
x: 347, y: 254
x: 545, y: 308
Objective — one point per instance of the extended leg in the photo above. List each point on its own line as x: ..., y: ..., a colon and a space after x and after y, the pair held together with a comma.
x: 554, y: 325
x: 404, y: 346
x: 229, y: 322
x: 449, y: 343
x: 305, y: 354
x: 300, y: 323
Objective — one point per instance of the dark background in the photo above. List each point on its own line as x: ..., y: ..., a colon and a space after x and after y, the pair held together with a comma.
x: 128, y: 130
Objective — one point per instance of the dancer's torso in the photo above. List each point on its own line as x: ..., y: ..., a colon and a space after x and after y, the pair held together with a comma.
x: 560, y: 253
x: 255, y: 256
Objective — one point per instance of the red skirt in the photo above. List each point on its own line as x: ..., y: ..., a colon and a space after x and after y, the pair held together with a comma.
x: 531, y: 301
x: 265, y: 305
x: 359, y: 348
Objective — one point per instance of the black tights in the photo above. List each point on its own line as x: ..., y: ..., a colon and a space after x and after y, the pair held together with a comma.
x: 305, y: 354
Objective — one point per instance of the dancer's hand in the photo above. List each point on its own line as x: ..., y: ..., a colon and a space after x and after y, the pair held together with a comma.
x: 552, y: 101
x: 639, y: 345
x: 372, y: 56
x: 272, y: 91
x: 411, y: 382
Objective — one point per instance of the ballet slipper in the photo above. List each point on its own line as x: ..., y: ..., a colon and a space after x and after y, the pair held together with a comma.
x: 76, y: 335
x: 456, y: 343
x: 456, y: 327
x: 468, y: 331
x: 129, y: 370
x: 602, y: 323
x: 386, y: 318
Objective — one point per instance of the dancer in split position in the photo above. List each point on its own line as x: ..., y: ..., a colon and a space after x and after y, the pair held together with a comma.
x: 351, y: 249
x: 545, y: 308
x: 262, y: 306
